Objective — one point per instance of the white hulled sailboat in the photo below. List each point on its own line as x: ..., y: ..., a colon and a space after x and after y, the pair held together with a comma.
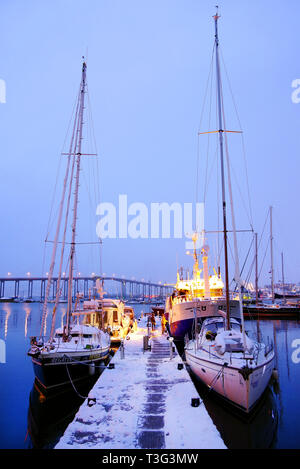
x: 222, y: 355
x: 71, y: 351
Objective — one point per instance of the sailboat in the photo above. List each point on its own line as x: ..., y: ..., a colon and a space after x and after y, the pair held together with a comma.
x: 72, y: 351
x: 275, y: 309
x: 221, y: 354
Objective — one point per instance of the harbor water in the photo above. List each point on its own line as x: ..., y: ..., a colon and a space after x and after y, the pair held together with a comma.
x: 30, y: 419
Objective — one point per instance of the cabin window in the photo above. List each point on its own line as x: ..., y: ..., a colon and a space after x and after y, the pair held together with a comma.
x: 87, y: 336
x: 115, y: 315
x: 203, y: 308
x: 213, y: 327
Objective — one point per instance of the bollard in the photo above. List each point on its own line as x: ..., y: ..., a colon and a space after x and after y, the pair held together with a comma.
x: 91, y: 400
x: 195, y: 402
x: 180, y: 366
x: 122, y: 349
x: 111, y: 366
x: 146, y: 342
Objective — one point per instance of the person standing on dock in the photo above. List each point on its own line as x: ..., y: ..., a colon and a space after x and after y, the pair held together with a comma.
x: 153, y: 323
x: 163, y: 324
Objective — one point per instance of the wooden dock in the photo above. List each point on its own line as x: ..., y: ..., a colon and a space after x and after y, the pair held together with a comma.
x: 144, y: 402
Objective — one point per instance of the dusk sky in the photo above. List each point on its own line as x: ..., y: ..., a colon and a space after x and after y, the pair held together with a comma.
x: 148, y: 64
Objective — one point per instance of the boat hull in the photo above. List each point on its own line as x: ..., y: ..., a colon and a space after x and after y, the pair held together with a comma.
x: 181, y: 316
x: 269, y: 312
x: 60, y: 369
x: 232, y: 384
x: 180, y: 328
x: 287, y: 296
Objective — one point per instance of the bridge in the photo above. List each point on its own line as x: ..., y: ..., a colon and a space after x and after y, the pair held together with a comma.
x: 33, y: 288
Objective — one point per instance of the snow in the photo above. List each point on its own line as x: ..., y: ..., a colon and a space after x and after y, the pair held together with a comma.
x: 116, y: 420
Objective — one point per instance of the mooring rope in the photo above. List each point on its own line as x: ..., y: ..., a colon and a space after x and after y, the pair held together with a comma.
x: 211, y: 385
x: 78, y: 393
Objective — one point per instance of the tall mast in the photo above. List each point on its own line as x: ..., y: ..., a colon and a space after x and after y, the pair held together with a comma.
x: 196, y: 262
x: 282, y: 271
x: 220, y: 131
x: 256, y: 271
x: 256, y: 287
x: 271, y: 246
x: 75, y: 205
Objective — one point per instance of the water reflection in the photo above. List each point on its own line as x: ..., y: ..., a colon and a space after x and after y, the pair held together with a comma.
x: 286, y: 348
x: 12, y: 311
x: 8, y: 310
x: 49, y: 413
x: 27, y: 310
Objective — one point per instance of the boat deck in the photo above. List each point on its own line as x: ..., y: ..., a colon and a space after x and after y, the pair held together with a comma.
x: 144, y: 402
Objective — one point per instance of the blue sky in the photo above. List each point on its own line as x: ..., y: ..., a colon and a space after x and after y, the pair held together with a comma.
x: 148, y: 63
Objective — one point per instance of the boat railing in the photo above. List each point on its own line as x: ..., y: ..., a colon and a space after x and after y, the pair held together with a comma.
x: 57, y: 341
x: 269, y: 347
x: 262, y: 344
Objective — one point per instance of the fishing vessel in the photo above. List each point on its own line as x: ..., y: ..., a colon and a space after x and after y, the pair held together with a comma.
x: 221, y: 354
x: 203, y: 295
x: 72, y: 351
x: 108, y: 314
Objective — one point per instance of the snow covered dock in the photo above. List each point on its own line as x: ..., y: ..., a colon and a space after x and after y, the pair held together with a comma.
x: 143, y: 402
